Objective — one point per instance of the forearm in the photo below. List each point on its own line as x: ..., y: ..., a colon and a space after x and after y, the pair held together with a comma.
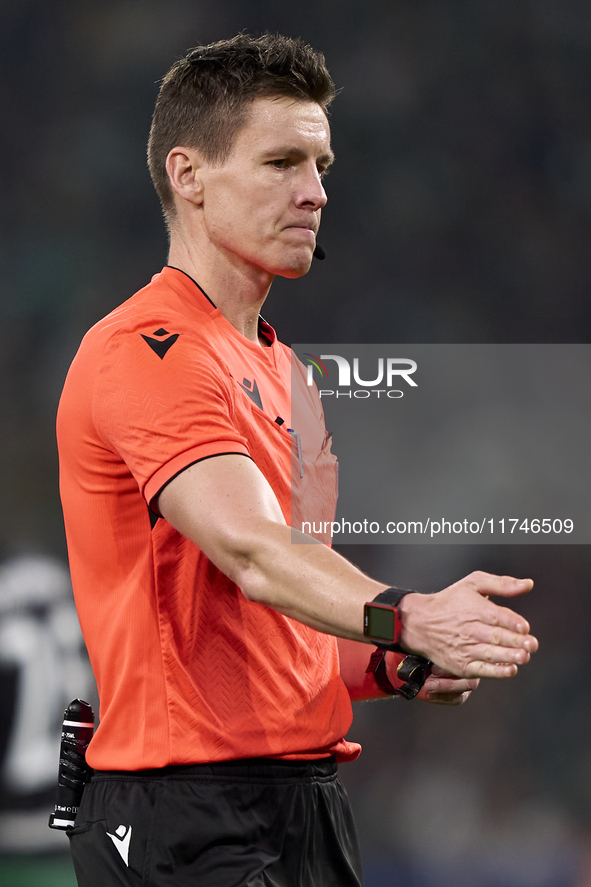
x: 299, y: 577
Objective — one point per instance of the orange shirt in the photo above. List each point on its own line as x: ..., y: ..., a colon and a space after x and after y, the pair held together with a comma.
x: 188, y: 670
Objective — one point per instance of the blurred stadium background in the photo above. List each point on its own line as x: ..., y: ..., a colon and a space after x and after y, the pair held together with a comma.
x: 460, y: 211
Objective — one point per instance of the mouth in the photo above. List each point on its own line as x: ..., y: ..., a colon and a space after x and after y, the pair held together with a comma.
x: 306, y: 231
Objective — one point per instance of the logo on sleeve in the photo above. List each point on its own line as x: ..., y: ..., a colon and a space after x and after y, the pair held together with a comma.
x: 160, y: 345
x: 252, y: 389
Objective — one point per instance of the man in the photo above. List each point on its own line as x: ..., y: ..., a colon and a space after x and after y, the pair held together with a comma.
x: 224, y: 704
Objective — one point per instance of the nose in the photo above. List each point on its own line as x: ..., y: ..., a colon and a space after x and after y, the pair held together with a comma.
x: 311, y: 193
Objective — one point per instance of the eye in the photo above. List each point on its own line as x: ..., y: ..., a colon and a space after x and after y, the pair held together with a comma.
x: 280, y: 163
x: 323, y: 171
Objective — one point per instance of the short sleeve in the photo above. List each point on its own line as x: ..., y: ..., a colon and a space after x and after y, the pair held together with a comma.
x: 161, y: 414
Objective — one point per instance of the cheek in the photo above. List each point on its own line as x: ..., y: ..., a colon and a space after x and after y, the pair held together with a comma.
x: 242, y: 212
x: 225, y: 217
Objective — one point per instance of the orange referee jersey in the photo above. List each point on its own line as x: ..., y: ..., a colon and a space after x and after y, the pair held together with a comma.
x: 188, y: 670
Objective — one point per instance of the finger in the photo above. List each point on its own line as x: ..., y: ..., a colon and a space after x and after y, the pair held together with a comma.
x: 502, y: 637
x: 504, y: 618
x: 502, y: 586
x: 496, y: 654
x: 451, y: 685
x: 447, y: 698
x: 438, y: 672
x: 481, y: 669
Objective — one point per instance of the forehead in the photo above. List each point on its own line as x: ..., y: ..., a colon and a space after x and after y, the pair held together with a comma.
x: 281, y: 121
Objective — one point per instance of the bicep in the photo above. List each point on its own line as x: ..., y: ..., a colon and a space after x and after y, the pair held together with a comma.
x: 221, y: 504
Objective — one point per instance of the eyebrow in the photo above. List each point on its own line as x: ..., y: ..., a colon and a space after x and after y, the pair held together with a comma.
x: 291, y: 151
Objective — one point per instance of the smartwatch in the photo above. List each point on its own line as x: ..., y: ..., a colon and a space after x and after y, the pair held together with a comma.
x: 382, y: 622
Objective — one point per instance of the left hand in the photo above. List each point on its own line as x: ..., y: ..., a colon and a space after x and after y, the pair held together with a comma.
x: 446, y: 689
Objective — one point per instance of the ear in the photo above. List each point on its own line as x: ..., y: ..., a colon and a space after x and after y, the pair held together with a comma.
x: 183, y: 166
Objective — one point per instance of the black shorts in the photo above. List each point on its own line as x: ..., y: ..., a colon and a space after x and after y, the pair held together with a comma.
x: 253, y: 823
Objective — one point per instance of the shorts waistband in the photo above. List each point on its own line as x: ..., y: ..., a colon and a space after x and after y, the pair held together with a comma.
x: 247, y: 769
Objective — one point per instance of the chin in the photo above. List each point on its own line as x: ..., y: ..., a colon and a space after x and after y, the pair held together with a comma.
x: 292, y: 273
x: 298, y: 266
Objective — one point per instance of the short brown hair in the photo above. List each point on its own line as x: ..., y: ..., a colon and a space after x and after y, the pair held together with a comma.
x: 203, y: 99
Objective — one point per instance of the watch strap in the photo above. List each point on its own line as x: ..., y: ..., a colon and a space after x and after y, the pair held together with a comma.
x: 412, y: 671
x: 391, y: 596
x: 377, y: 667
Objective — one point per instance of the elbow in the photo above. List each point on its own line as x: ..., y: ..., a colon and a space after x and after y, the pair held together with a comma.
x: 248, y: 573
x: 250, y: 560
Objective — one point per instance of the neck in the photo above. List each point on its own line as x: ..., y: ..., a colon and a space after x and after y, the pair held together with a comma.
x: 238, y: 291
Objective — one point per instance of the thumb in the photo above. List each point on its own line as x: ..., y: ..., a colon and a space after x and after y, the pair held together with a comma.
x: 501, y: 586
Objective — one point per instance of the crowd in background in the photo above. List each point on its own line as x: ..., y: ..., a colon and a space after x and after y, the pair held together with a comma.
x: 459, y: 211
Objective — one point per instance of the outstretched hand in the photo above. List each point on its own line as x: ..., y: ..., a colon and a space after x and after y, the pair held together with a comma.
x: 465, y: 633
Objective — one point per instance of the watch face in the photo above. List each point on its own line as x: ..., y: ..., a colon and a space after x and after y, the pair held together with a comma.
x: 380, y: 622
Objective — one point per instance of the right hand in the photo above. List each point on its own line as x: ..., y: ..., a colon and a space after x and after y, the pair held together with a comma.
x: 464, y: 633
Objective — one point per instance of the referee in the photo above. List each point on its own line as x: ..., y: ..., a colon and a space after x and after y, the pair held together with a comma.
x: 225, y: 697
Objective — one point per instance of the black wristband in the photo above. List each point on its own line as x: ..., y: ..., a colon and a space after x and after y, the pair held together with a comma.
x: 391, y: 596
x: 412, y: 671
x: 377, y: 667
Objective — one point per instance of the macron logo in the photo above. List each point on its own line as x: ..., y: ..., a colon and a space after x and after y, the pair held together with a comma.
x: 160, y: 345
x: 252, y: 389
x: 121, y: 840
